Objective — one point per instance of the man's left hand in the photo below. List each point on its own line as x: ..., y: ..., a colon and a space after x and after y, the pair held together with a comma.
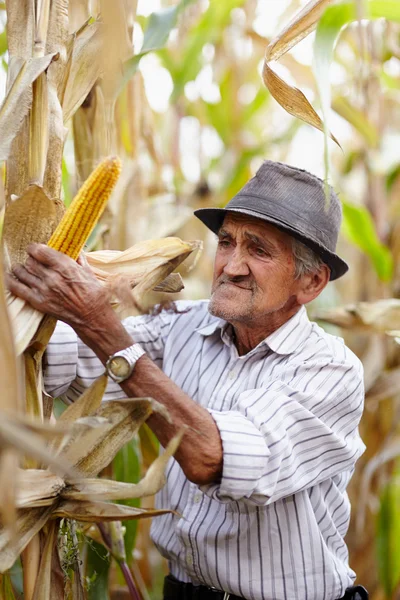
x: 56, y: 285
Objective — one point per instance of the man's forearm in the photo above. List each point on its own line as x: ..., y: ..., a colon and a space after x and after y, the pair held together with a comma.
x: 200, y: 452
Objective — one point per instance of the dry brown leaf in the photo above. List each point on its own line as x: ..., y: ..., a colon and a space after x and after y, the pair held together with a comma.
x: 43, y: 589
x: 382, y: 316
x: 87, y: 403
x: 289, y: 97
x: 84, y: 67
x: 92, y: 512
x: 103, y: 489
x: 173, y: 283
x: 125, y: 417
x: 37, y: 487
x: 386, y: 386
x: 18, y: 100
x: 29, y: 218
x: 29, y: 523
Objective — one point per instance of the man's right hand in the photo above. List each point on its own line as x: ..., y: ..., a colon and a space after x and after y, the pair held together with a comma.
x: 56, y: 285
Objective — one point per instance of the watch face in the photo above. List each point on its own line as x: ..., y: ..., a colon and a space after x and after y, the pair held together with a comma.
x: 119, y: 367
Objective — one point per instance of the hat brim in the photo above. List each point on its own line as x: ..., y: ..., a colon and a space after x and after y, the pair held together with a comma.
x: 214, y: 217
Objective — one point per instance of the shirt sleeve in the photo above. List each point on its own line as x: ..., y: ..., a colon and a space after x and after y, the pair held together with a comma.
x: 282, y: 439
x: 70, y: 365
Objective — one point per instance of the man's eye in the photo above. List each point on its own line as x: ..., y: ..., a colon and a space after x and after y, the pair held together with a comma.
x: 260, y: 252
x: 224, y: 243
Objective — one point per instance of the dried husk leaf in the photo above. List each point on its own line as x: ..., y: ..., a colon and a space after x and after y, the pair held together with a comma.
x: 83, y: 441
x: 20, y: 28
x: 173, y: 283
x: 39, y: 130
x: 382, y: 316
x: 30, y: 218
x: 125, y: 416
x: 141, y: 258
x: 8, y: 466
x: 87, y: 403
x: 18, y: 100
x: 103, y: 489
x: 386, y: 386
x: 11, y: 398
x: 43, y: 589
x: 29, y: 522
x: 84, y: 67
x: 37, y: 487
x: 16, y: 435
x: 92, y: 512
x: 303, y: 23
x: 289, y: 97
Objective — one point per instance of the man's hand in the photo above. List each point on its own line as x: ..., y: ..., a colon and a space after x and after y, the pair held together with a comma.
x: 55, y: 284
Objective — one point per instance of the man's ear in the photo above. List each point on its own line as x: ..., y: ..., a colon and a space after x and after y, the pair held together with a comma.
x: 311, y: 285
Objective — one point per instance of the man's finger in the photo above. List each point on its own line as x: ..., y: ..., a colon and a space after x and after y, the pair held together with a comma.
x: 48, y: 256
x: 21, y: 290
x: 35, y: 267
x: 26, y: 277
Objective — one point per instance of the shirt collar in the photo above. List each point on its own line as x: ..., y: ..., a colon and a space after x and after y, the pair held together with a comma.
x: 285, y: 340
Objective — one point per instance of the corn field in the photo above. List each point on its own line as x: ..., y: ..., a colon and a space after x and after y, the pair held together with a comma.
x: 117, y: 120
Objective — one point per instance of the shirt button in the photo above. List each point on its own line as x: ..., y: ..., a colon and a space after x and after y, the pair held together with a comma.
x: 197, y: 498
x: 189, y: 559
x: 232, y: 375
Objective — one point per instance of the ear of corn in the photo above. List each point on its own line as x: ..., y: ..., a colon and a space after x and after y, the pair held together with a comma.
x: 85, y: 210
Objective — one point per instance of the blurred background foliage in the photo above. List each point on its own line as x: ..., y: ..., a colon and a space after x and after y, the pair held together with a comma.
x: 193, y: 122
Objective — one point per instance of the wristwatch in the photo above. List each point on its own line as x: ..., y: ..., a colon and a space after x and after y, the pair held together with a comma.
x: 121, y: 364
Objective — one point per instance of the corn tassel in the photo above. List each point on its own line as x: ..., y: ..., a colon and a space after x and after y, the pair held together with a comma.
x: 86, y: 208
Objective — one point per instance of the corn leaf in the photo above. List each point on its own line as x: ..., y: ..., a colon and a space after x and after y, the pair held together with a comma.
x: 382, y: 316
x: 18, y: 100
x: 92, y: 512
x: 358, y: 226
x: 127, y: 467
x: 36, y: 487
x: 289, y: 97
x: 103, y: 489
x: 388, y: 537
x: 328, y: 30
x: 14, y: 434
x: 156, y: 35
x: 6, y: 589
x: 43, y: 589
x: 29, y: 523
x: 343, y: 107
x: 83, y: 69
x: 125, y: 418
x: 87, y: 403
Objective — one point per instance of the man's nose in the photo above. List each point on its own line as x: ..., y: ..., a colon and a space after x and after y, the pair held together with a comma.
x: 236, y: 266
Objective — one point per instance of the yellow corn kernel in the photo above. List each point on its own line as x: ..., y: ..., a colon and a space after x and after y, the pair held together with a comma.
x: 86, y: 209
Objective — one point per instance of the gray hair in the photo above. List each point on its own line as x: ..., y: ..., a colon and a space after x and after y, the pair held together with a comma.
x: 305, y: 259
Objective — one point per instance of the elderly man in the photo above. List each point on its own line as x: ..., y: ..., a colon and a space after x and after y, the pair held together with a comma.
x: 275, y: 401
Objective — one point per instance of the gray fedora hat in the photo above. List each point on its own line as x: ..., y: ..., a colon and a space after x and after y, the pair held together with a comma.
x: 294, y: 201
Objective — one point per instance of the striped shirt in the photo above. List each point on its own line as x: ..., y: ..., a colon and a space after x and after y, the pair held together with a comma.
x: 288, y: 411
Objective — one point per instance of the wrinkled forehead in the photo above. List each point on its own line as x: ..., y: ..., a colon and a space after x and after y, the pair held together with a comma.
x: 234, y: 221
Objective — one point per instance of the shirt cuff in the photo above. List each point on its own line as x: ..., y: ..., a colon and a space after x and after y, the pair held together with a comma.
x: 60, y: 360
x: 245, y: 457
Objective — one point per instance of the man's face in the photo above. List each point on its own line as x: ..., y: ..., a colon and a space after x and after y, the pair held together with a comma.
x: 253, y: 271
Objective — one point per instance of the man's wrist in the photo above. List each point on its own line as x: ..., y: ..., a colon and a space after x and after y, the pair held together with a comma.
x: 105, y: 336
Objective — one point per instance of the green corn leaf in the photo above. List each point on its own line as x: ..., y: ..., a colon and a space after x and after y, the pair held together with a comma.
x: 359, y: 228
x: 156, y: 35
x: 388, y: 538
x: 98, y: 566
x: 127, y: 468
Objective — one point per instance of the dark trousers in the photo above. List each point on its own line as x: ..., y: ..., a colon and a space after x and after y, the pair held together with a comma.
x: 177, y: 590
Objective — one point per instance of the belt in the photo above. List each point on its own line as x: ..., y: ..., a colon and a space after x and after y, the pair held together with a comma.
x: 177, y: 590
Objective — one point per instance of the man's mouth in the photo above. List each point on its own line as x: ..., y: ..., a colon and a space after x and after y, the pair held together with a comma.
x: 242, y: 287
